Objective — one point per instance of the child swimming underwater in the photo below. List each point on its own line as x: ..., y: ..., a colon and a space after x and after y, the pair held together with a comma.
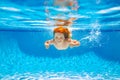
x: 62, y: 39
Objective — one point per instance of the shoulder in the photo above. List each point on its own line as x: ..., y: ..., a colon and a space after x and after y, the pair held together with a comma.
x: 68, y: 40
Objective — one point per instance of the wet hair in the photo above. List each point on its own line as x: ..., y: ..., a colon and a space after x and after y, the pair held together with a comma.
x: 63, y: 30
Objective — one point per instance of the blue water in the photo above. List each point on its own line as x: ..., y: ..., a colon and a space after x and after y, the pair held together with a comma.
x: 23, y: 31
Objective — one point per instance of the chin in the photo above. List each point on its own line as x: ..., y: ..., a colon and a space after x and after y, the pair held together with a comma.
x: 59, y: 42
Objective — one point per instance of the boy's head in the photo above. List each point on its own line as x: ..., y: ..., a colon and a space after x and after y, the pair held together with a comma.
x: 61, y: 34
x: 62, y: 30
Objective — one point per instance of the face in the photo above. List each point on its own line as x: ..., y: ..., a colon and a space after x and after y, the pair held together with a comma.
x: 59, y: 37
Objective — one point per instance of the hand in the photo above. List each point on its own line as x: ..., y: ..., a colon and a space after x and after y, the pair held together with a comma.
x: 47, y: 45
x: 74, y: 43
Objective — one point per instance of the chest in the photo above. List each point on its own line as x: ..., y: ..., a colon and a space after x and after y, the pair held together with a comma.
x: 65, y: 45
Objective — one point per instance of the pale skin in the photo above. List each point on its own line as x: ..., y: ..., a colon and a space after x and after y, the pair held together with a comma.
x: 61, y: 43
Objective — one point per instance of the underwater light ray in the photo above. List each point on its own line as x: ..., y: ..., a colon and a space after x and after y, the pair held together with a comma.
x: 10, y: 9
x: 104, y: 11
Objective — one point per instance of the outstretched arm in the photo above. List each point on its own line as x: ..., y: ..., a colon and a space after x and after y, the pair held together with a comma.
x: 48, y: 43
x: 74, y: 43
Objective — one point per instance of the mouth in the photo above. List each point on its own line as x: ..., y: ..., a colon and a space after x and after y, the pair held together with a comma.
x: 59, y: 41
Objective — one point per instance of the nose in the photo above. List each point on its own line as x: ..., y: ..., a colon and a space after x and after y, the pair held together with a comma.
x: 59, y: 39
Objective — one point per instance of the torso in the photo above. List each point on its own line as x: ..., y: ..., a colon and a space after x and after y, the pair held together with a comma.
x: 62, y: 46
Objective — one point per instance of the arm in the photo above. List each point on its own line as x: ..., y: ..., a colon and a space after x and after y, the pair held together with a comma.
x: 74, y: 43
x: 48, y: 43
